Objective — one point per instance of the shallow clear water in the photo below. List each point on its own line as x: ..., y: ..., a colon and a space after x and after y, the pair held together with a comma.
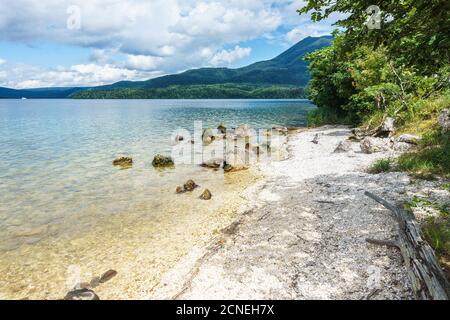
x: 56, y: 176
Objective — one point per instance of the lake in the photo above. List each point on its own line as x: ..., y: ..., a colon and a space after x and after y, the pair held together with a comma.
x: 63, y: 203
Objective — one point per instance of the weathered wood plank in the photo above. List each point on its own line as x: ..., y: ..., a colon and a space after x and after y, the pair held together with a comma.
x: 427, y: 278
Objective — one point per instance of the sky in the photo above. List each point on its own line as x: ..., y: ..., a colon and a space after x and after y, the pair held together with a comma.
x: 61, y: 43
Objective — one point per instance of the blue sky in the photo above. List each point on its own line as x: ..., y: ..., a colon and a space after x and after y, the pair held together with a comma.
x: 94, y: 42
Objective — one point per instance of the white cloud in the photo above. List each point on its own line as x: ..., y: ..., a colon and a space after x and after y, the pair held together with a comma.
x: 142, y: 38
x: 2, y: 61
x: 225, y: 58
x: 299, y: 33
x: 22, y: 76
x: 141, y: 62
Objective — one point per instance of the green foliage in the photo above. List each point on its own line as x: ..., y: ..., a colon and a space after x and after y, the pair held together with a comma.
x: 217, y: 91
x: 322, y: 116
x: 429, y: 159
x: 370, y: 74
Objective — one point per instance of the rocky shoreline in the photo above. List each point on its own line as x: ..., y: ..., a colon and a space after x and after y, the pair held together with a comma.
x: 301, y: 233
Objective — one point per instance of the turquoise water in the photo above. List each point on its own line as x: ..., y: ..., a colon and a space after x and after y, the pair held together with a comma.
x: 56, y: 156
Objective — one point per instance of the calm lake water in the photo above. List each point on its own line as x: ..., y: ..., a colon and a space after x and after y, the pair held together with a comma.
x: 56, y: 176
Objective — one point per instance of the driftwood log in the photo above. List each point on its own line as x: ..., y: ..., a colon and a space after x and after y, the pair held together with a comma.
x: 427, y: 278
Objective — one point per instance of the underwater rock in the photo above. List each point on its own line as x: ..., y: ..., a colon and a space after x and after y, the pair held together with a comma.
x: 190, y: 185
x: 214, y: 163
x: 108, y: 275
x: 372, y: 145
x: 222, y: 129
x: 123, y: 161
x: 162, y: 161
x: 81, y: 294
x: 206, y: 195
x: 179, y: 190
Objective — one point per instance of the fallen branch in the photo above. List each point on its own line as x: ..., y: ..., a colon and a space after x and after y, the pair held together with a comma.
x: 426, y: 276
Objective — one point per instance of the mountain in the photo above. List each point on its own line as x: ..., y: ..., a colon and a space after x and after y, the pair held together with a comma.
x: 286, y: 70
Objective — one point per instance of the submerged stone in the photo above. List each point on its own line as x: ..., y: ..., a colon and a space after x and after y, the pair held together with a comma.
x: 206, y: 195
x: 108, y: 275
x: 162, y: 161
x: 123, y: 161
x: 190, y: 185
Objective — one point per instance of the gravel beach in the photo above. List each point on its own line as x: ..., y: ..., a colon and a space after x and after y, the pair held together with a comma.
x: 302, y: 232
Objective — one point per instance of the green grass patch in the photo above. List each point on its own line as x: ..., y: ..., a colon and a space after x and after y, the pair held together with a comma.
x: 432, y: 158
x: 383, y: 165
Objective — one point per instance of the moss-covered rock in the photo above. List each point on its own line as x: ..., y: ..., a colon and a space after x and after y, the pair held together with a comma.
x: 190, y: 185
x: 206, y: 195
x: 160, y: 161
x: 123, y: 161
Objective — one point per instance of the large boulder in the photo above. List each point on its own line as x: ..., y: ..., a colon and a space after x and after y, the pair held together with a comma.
x: 161, y: 161
x: 372, y: 145
x: 444, y: 120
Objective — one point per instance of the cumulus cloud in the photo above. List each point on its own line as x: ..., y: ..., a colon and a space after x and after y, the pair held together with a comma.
x: 300, y: 33
x: 2, y: 61
x: 23, y: 76
x: 225, y: 58
x: 139, y: 38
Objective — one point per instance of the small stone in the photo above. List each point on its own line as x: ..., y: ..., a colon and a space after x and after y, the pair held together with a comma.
x: 81, y: 294
x: 123, y: 161
x: 95, y: 282
x: 206, y: 195
x: 162, y: 161
x: 108, y: 275
x: 316, y: 139
x: 344, y: 146
x: 190, y: 185
x: 222, y: 129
